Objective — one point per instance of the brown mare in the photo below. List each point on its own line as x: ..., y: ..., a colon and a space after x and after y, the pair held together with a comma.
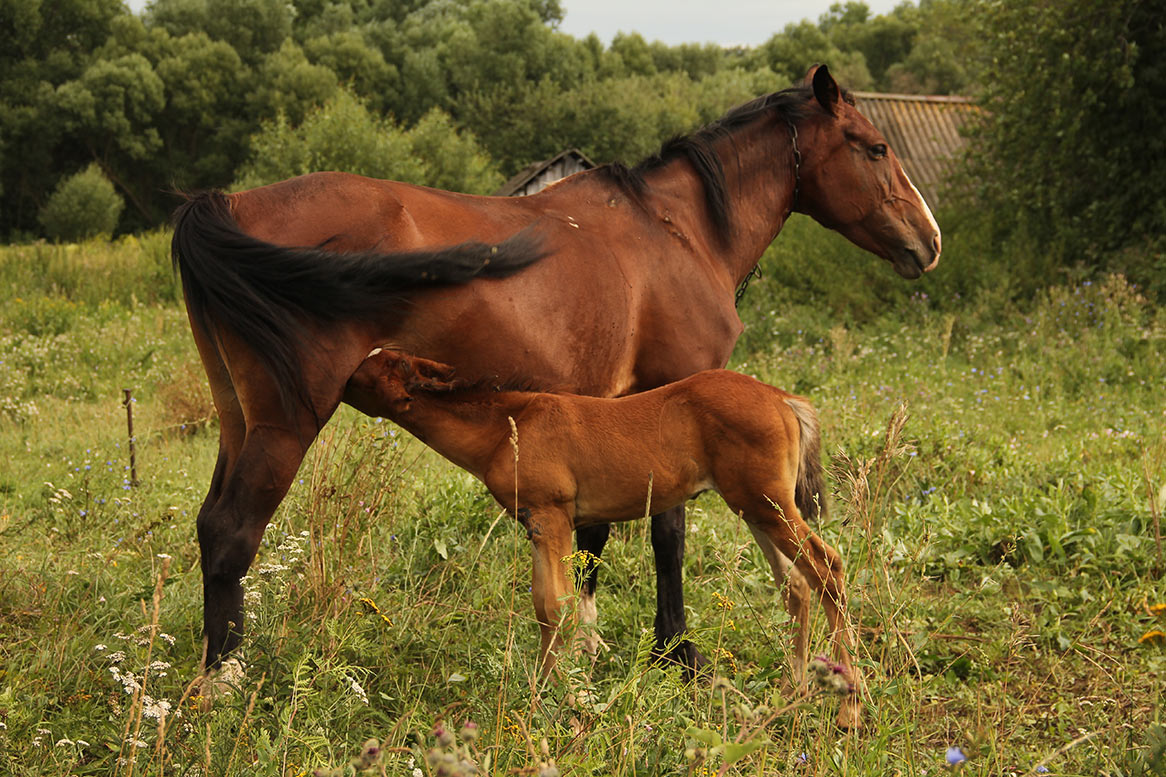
x: 584, y: 461
x: 628, y: 284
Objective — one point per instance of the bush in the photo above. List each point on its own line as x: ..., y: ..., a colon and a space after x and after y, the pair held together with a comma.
x: 344, y: 135
x: 83, y: 205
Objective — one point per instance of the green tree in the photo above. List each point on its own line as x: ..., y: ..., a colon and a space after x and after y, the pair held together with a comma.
x: 287, y: 83
x: 356, y: 63
x: 253, y: 28
x: 791, y: 52
x: 344, y: 135
x: 942, y: 55
x: 635, y: 56
x: 112, y: 110
x: 1071, y: 148
x: 42, y: 45
x: 452, y: 159
x: 83, y: 205
x: 882, y: 40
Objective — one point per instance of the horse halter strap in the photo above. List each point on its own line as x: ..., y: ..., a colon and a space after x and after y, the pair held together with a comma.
x: 797, y: 155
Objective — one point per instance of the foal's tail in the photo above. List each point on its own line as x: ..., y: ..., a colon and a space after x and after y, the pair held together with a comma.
x: 269, y: 295
x: 808, y: 494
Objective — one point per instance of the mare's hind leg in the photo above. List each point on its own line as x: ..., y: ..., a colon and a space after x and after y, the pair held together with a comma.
x: 232, y: 433
x: 229, y: 531
x: 797, y: 599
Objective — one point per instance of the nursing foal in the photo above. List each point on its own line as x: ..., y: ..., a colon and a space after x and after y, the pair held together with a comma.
x: 584, y: 460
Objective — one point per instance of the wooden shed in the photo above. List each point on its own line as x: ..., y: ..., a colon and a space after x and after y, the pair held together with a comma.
x: 923, y: 130
x: 539, y: 175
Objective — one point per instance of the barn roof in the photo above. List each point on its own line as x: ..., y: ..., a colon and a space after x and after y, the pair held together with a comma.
x: 535, y: 169
x: 923, y: 130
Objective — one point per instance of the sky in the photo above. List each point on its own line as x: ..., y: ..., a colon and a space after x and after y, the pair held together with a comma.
x: 726, y: 22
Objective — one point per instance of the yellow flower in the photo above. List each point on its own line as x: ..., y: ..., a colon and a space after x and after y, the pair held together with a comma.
x: 727, y: 655
x: 581, y: 559
x: 723, y: 602
x: 1153, y: 635
x: 371, y: 606
x: 1158, y: 609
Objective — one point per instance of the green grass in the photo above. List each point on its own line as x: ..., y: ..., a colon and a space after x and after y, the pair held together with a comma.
x: 1000, y: 549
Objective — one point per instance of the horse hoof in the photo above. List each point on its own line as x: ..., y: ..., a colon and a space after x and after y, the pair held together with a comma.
x: 590, y: 642
x: 220, y: 683
x: 850, y: 714
x: 693, y: 665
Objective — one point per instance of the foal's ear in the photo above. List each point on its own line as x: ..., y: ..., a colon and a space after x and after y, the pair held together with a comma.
x: 825, y: 87
x: 431, y: 370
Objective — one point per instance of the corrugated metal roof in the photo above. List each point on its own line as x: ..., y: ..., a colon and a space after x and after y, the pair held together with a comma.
x: 923, y: 130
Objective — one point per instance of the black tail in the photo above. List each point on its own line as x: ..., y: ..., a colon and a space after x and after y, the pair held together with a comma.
x: 266, y: 294
x: 808, y: 494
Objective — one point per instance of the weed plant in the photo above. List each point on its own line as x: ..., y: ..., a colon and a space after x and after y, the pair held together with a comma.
x: 998, y: 477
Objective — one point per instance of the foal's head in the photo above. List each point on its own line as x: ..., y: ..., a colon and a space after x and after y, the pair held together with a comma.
x: 851, y: 181
x: 386, y: 381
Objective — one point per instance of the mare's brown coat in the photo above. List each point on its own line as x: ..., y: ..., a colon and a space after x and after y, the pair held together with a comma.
x: 635, y: 288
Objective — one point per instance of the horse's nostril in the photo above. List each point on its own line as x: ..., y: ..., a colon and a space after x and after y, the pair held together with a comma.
x: 937, y: 244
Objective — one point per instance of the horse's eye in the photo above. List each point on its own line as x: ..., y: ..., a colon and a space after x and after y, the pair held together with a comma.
x: 878, y: 151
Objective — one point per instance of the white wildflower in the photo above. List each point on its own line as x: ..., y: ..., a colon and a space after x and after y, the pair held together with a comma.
x: 155, y: 708
x: 357, y: 689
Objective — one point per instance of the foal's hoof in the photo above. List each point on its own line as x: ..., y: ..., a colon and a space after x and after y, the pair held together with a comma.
x: 850, y: 713
x: 220, y: 683
x: 691, y: 661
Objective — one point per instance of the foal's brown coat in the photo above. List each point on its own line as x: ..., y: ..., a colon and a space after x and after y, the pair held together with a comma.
x: 584, y: 460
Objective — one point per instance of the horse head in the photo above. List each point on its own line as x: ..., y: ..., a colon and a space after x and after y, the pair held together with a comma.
x: 384, y: 383
x: 851, y: 181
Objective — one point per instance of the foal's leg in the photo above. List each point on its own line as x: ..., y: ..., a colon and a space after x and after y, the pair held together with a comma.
x: 668, y: 548
x: 591, y: 539
x: 822, y: 567
x: 550, y: 534
x: 797, y: 599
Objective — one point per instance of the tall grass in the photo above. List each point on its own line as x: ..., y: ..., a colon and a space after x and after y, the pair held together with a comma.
x: 996, y: 469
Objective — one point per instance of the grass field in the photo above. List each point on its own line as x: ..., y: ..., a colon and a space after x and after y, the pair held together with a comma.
x: 998, y: 473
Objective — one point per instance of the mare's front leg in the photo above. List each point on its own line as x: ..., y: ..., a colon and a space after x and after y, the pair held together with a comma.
x: 671, y: 623
x: 550, y: 535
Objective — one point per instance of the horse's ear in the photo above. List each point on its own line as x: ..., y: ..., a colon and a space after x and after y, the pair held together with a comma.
x: 825, y: 87
x: 431, y: 370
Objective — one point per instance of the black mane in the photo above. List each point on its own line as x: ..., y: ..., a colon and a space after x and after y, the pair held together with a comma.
x: 697, y: 147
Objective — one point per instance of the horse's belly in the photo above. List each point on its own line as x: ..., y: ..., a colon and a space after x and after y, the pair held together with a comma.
x: 619, y: 499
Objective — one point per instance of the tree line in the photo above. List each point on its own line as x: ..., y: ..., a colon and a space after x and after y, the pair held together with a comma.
x: 211, y: 93
x: 460, y: 94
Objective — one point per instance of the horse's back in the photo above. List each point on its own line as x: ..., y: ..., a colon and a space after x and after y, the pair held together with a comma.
x: 347, y: 212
